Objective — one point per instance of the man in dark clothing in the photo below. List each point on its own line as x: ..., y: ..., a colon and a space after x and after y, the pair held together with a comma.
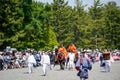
x: 52, y: 60
x: 1, y: 62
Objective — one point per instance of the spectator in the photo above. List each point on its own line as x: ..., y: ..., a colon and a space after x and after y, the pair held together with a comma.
x: 1, y: 61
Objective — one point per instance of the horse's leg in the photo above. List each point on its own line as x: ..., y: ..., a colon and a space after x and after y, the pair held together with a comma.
x: 65, y: 63
x: 60, y: 64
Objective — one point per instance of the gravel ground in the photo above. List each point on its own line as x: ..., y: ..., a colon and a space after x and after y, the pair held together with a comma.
x: 96, y: 73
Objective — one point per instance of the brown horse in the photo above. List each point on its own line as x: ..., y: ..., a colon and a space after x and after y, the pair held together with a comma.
x: 61, y: 60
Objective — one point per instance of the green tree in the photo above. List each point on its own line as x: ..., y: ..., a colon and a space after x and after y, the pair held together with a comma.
x: 27, y: 10
x: 38, y: 33
x: 96, y: 25
x: 112, y: 25
x: 60, y: 20
x: 80, y: 24
x: 11, y: 18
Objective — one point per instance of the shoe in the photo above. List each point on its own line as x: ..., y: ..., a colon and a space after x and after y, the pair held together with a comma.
x: 44, y: 75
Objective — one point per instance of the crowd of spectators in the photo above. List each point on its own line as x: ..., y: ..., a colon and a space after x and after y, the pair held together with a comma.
x: 15, y: 59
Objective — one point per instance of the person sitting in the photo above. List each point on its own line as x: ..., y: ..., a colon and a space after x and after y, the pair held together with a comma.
x: 62, y: 50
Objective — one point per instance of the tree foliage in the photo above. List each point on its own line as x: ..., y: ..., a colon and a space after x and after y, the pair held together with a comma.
x: 30, y: 24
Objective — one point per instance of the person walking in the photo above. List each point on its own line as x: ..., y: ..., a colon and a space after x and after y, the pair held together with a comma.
x: 52, y: 60
x: 45, y: 62
x: 71, y: 58
x: 100, y: 57
x: 92, y: 56
x: 83, y: 65
x: 31, y: 61
x: 107, y: 59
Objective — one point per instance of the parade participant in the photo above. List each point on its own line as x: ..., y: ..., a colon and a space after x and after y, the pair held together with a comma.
x: 92, y: 56
x: 107, y: 59
x: 62, y: 57
x: 52, y: 60
x: 83, y: 65
x: 100, y: 57
x: 71, y: 57
x: 45, y: 62
x: 72, y: 47
x: 31, y: 61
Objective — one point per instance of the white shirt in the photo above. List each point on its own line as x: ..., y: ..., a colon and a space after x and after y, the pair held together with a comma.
x: 71, y: 56
x: 31, y: 59
x: 45, y: 59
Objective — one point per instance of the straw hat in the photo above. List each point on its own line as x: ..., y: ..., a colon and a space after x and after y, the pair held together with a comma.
x: 106, y: 52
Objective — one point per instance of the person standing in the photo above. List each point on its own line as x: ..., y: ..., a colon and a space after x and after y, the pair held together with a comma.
x: 45, y: 62
x: 31, y: 61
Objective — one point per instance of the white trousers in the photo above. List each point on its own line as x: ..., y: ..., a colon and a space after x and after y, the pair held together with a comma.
x: 52, y: 66
x: 71, y: 64
x: 30, y: 67
x: 107, y: 65
x: 45, y: 68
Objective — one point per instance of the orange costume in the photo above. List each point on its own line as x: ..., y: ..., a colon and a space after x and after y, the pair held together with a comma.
x: 62, y: 49
x: 72, y: 47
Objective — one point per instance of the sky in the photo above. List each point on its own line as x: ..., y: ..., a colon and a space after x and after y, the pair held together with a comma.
x: 88, y: 2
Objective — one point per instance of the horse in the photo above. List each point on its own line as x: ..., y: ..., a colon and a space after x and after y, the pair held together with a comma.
x: 61, y: 60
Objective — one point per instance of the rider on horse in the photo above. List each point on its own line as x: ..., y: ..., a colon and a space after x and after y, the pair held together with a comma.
x: 72, y: 47
x: 63, y: 52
